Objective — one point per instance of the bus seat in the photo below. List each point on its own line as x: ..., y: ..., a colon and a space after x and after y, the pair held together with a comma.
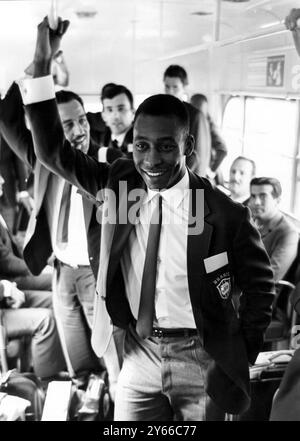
x: 278, y: 334
x: 15, y: 353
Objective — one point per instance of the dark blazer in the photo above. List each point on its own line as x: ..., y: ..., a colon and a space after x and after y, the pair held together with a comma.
x: 11, y: 262
x: 97, y: 126
x: 232, y: 340
x: 38, y: 247
x: 200, y: 158
x: 125, y: 148
x: 15, y: 174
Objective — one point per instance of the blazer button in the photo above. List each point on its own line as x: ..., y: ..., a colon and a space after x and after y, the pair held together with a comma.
x: 91, y: 258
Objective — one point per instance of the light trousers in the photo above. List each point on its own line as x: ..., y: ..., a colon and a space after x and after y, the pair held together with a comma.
x: 162, y: 379
x: 35, y: 319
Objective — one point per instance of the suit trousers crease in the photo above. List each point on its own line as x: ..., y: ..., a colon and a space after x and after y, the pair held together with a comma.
x: 73, y: 301
x: 73, y: 297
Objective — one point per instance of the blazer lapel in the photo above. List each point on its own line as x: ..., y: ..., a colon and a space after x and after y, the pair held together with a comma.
x: 41, y: 177
x: 121, y: 232
x: 87, y: 212
x: 198, y: 244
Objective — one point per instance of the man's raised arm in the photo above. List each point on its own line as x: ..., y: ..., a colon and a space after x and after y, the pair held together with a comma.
x: 51, y: 147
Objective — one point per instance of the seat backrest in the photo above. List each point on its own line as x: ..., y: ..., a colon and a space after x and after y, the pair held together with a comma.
x: 284, y: 315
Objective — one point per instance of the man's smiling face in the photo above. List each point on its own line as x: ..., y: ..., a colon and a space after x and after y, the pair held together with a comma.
x: 159, y: 148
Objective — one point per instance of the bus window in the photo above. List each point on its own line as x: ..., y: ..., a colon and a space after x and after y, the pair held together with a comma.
x: 269, y: 139
x: 265, y: 130
x: 232, y: 131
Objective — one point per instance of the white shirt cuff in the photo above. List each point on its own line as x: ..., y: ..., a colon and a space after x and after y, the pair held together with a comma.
x: 7, y: 285
x: 35, y: 90
x: 102, y: 154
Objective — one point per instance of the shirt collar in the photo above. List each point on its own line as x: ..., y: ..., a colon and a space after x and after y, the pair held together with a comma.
x: 271, y: 224
x: 119, y: 138
x: 241, y: 199
x: 174, y: 195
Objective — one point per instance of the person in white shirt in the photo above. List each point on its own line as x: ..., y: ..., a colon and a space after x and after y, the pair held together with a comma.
x: 241, y: 172
x: 63, y: 222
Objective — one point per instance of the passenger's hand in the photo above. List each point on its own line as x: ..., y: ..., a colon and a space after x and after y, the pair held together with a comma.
x: 292, y: 18
x: 26, y: 201
x: 47, y: 44
x: 292, y: 22
x: 16, y: 298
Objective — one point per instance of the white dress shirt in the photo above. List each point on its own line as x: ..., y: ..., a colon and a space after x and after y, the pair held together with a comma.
x: 173, y: 307
x: 76, y: 251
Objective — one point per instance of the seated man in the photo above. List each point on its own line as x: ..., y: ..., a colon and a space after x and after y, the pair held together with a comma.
x: 29, y: 314
x: 278, y: 235
x: 242, y: 170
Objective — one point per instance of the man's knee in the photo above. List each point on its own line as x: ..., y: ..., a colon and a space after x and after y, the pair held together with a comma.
x: 46, y: 320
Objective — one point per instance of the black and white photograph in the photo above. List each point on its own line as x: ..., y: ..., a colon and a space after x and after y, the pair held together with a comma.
x: 149, y: 215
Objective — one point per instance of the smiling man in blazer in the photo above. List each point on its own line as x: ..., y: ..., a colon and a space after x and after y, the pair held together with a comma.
x: 198, y: 344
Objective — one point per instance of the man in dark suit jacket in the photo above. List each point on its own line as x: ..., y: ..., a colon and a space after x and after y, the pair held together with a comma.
x: 98, y: 128
x: 198, y: 339
x: 118, y: 114
x: 176, y: 81
x: 74, y: 280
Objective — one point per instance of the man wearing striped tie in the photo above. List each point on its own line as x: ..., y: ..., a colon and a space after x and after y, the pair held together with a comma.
x: 173, y: 251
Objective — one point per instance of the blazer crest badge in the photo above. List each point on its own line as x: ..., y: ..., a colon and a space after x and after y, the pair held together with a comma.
x: 223, y: 285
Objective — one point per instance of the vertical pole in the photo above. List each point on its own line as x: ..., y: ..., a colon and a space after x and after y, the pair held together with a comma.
x: 217, y: 17
x: 53, y: 16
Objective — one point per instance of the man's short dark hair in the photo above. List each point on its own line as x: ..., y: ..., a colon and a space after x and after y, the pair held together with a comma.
x: 111, y: 90
x: 244, y: 158
x: 65, y: 96
x: 176, y: 71
x: 198, y: 99
x: 275, y: 184
x: 106, y: 87
x: 164, y: 105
